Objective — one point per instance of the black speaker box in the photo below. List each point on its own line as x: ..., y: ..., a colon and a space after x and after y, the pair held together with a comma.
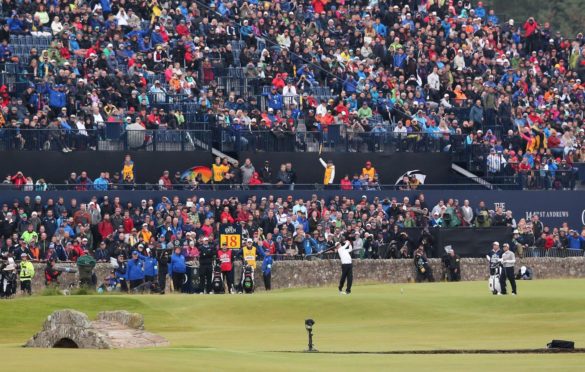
x: 560, y: 344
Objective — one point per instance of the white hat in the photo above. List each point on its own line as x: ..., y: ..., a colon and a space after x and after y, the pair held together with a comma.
x: 496, y: 243
x: 249, y: 240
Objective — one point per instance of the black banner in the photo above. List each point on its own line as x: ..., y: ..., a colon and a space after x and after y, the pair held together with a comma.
x: 469, y: 242
x: 390, y: 167
x: 55, y: 167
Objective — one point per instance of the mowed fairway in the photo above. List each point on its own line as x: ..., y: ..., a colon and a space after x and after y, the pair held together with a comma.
x: 243, y: 332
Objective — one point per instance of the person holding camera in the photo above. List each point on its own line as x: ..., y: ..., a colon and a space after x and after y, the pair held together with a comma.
x: 344, y: 252
x: 421, y: 263
x: 452, y: 263
x: 51, y: 273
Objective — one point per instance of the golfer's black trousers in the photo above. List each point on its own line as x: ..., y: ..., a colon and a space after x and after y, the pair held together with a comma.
x: 228, y: 277
x: 507, y: 273
x: 205, y: 276
x: 346, y: 273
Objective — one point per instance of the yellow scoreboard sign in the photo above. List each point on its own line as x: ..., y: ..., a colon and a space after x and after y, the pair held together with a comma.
x: 230, y: 236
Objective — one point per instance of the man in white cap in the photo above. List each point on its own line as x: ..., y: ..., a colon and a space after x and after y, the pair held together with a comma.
x: 27, y: 272
x: 344, y: 252
x: 508, y: 262
x: 8, y: 279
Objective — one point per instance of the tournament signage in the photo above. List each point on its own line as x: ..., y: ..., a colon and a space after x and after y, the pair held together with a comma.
x: 230, y: 236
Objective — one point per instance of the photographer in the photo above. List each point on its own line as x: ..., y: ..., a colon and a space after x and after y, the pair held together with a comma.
x: 453, y: 265
x: 51, y: 273
x: 8, y: 278
x: 421, y: 264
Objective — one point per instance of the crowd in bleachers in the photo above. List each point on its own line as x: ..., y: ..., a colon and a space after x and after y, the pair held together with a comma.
x: 425, y: 70
x: 44, y: 228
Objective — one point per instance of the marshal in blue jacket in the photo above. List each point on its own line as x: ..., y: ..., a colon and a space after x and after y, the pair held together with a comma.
x: 177, y: 264
x: 135, y: 270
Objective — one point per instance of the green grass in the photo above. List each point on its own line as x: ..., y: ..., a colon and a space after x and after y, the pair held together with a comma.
x: 242, y: 332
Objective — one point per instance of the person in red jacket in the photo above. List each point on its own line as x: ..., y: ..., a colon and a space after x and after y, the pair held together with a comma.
x: 18, y: 179
x: 128, y: 223
x: 255, y: 180
x: 345, y: 183
x: 105, y: 228
x: 226, y: 216
x: 224, y: 255
x: 268, y: 244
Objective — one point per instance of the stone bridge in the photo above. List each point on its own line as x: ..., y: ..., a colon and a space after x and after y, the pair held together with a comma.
x: 111, y: 330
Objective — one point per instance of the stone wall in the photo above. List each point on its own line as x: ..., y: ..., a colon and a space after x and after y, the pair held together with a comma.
x: 291, y: 274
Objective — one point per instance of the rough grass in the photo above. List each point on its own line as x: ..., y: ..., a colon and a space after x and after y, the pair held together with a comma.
x: 225, y: 332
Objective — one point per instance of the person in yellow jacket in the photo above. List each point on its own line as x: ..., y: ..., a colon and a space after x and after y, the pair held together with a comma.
x: 219, y: 169
x: 128, y: 169
x: 369, y: 171
x: 329, y: 175
x: 249, y: 253
x: 27, y: 272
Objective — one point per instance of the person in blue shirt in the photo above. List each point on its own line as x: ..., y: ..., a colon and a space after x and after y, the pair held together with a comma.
x: 275, y: 101
x: 575, y: 240
x: 399, y: 59
x: 480, y: 10
x: 150, y: 266
x: 267, y: 270
x: 310, y: 245
x: 350, y: 85
x: 135, y: 271
x: 121, y: 273
x: 493, y: 18
x: 177, y: 269
x: 101, y: 183
x: 380, y: 28
x: 57, y: 98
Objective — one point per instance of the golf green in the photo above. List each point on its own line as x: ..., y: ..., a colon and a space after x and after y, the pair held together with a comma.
x: 244, y: 332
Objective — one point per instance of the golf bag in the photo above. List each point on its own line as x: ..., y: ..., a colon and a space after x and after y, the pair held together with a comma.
x: 248, y: 279
x: 217, y: 281
x: 495, y: 273
x: 191, y: 282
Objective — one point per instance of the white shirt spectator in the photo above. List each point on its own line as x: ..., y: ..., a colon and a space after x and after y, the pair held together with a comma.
x: 434, y: 82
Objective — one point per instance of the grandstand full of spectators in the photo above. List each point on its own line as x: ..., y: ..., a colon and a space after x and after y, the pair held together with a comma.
x: 445, y: 72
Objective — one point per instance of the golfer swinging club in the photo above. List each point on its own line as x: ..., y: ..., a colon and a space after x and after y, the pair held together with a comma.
x: 346, y: 266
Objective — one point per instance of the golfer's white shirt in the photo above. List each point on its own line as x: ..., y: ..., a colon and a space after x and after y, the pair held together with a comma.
x: 344, y: 253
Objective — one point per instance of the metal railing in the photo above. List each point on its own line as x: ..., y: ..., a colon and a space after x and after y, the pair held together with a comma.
x: 110, y: 137
x: 191, y: 185
x: 552, y: 252
x: 335, y: 138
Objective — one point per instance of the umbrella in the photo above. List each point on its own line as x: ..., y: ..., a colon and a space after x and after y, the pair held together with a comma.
x: 191, y: 173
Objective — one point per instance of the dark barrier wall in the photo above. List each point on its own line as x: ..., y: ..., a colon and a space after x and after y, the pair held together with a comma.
x: 55, y: 167
x: 469, y: 242
x: 553, y: 207
x: 436, y: 166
